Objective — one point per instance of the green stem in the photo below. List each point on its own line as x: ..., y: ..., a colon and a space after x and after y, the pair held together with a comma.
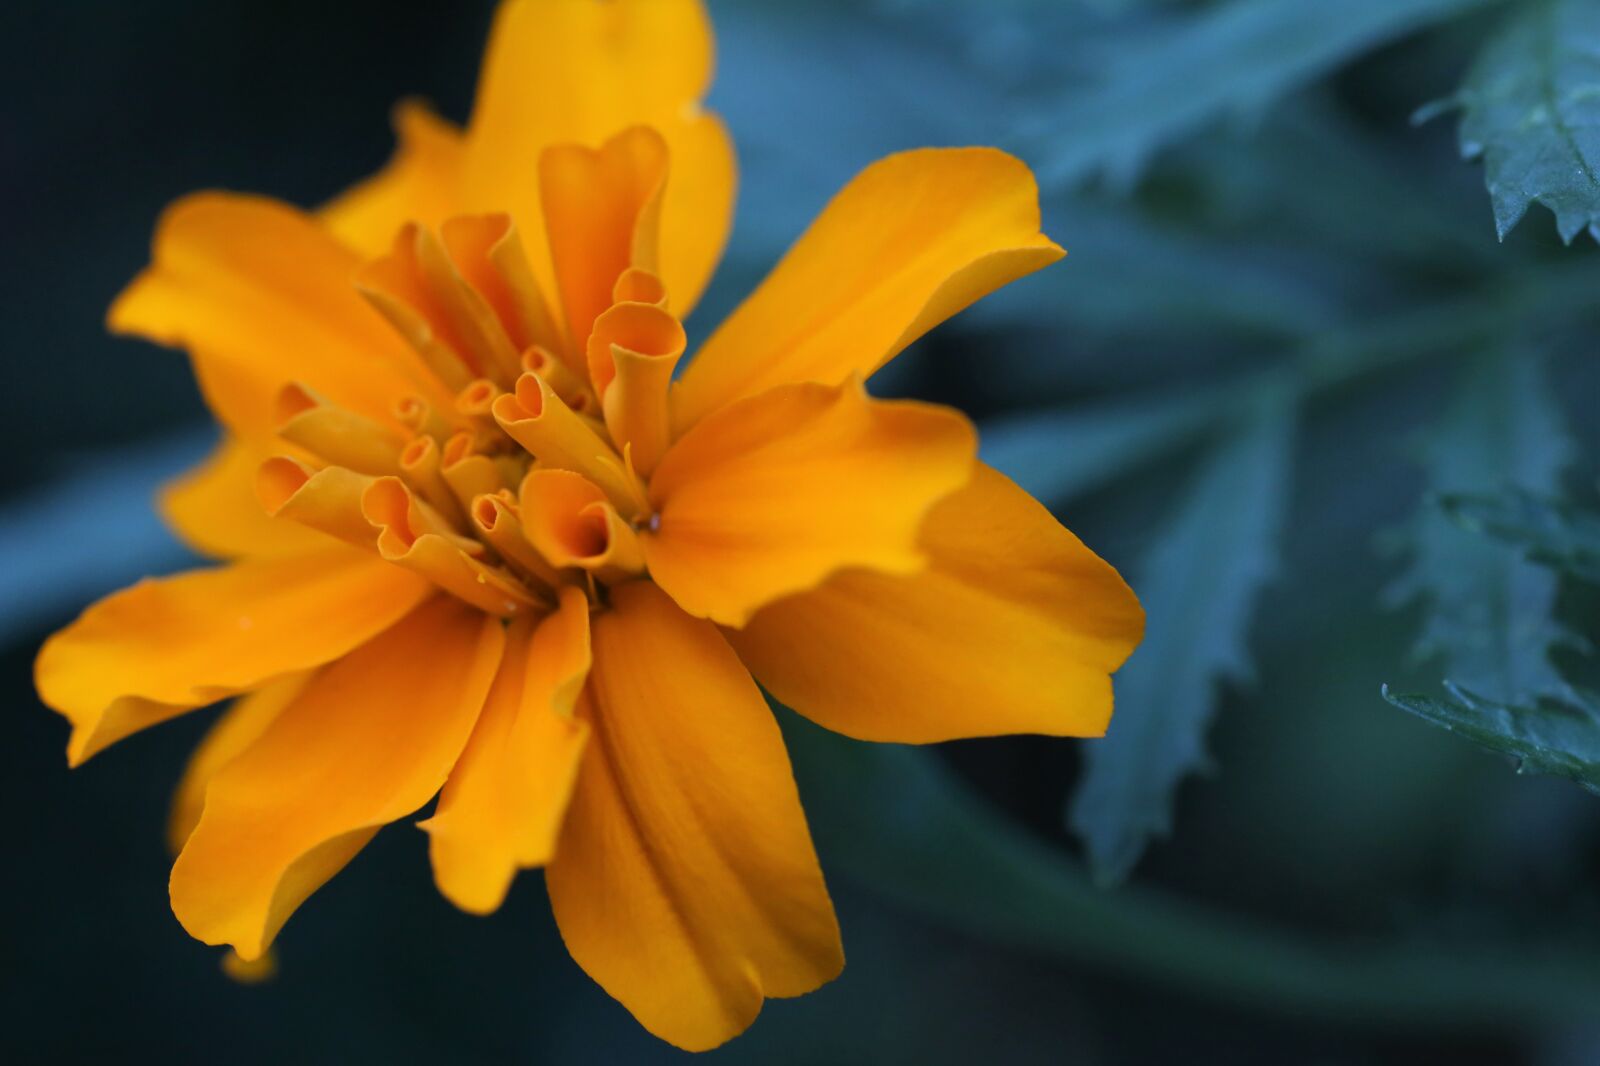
x: 901, y: 824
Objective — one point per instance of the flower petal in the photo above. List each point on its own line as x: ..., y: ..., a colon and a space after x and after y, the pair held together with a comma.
x: 419, y: 184
x: 156, y: 649
x: 234, y: 731
x: 602, y: 211
x: 260, y: 295
x: 582, y: 70
x: 502, y: 808
x: 368, y: 740
x: 686, y: 883
x: 770, y: 496
x: 215, y: 510
x: 697, y: 207
x: 915, y: 238
x: 1013, y: 628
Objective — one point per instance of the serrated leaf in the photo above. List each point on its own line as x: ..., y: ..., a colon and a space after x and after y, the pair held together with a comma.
x: 1550, y: 532
x: 1488, y: 612
x: 1547, y: 737
x: 1531, y: 109
x: 1167, y: 78
x: 1198, y: 584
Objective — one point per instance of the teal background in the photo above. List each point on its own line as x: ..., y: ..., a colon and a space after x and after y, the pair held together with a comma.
x: 1342, y: 885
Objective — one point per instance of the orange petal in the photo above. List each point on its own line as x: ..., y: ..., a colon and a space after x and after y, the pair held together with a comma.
x: 468, y: 472
x: 410, y: 536
x: 488, y: 251
x: 582, y: 71
x: 561, y: 439
x: 261, y: 295
x: 215, y: 510
x: 602, y: 210
x: 770, y: 496
x: 913, y: 239
x: 632, y: 352
x: 234, y: 731
x: 421, y: 417
x: 253, y: 972
x: 412, y: 288
x: 686, y: 883
x: 368, y: 740
x: 152, y: 651
x: 697, y: 208
x: 497, y: 519
x: 334, y: 435
x: 421, y: 469
x: 419, y: 183
x: 502, y: 808
x: 570, y: 522
x: 327, y: 500
x: 1014, y: 627
x: 637, y: 286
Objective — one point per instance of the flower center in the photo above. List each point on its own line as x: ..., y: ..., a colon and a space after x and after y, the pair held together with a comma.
x: 521, y: 462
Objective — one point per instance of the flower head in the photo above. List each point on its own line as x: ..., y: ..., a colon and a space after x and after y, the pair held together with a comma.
x: 484, y: 542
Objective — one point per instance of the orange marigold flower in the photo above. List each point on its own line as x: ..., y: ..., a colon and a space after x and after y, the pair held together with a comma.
x: 484, y: 543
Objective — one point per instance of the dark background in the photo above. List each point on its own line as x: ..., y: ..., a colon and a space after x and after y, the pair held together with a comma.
x: 1346, y: 886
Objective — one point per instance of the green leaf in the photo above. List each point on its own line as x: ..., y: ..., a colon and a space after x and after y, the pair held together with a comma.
x: 1550, y: 532
x: 1166, y: 78
x: 1531, y: 110
x: 1198, y: 584
x: 1488, y: 612
x: 1548, y: 736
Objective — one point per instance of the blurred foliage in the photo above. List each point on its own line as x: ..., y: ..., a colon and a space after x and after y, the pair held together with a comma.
x: 1288, y: 380
x: 1556, y: 533
x: 1307, y: 253
x: 1229, y: 59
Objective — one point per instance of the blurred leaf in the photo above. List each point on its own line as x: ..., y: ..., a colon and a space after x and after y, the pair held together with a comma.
x: 1319, y: 183
x: 69, y: 559
x: 1531, y: 109
x: 1198, y: 586
x: 1056, y: 455
x: 1546, y: 737
x: 1550, y: 532
x: 1171, y: 76
x: 1488, y: 613
x: 1128, y: 273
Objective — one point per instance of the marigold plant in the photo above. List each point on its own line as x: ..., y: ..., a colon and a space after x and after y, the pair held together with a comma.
x: 482, y: 541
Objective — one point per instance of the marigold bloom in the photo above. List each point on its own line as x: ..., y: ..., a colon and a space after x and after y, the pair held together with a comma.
x: 482, y: 543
